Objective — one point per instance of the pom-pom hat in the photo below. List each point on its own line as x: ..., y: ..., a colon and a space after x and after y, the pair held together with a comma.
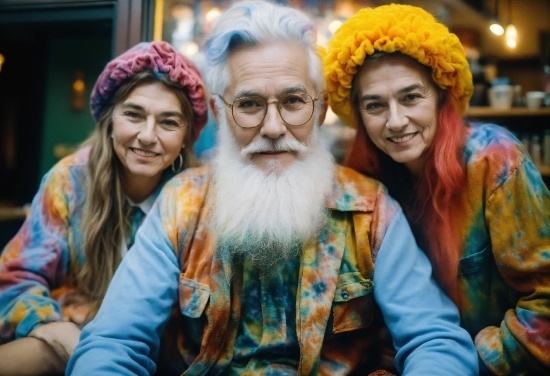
x: 158, y: 57
x: 394, y: 28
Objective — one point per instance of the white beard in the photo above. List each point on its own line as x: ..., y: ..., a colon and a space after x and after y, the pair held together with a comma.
x: 268, y: 216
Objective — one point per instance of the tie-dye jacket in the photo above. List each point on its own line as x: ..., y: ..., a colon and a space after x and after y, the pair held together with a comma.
x: 504, y: 276
x: 38, y: 266
x: 318, y: 317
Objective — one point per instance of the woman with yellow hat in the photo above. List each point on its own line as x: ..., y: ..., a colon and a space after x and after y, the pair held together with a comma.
x: 476, y: 202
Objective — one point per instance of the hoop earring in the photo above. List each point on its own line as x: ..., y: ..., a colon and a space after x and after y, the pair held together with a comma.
x: 176, y: 170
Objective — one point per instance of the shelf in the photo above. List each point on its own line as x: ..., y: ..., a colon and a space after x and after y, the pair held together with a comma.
x: 12, y: 213
x: 544, y: 171
x: 476, y: 112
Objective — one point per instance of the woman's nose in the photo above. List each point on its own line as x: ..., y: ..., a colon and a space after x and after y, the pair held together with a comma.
x: 147, y: 133
x: 397, y: 118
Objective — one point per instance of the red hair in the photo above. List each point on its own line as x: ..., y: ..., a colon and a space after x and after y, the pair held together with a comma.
x: 436, y: 204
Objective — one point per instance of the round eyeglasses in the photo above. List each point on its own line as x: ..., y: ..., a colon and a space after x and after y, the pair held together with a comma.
x: 249, y: 111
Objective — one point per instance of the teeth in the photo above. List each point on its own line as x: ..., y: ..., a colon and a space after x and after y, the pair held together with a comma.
x: 144, y: 153
x: 402, y: 139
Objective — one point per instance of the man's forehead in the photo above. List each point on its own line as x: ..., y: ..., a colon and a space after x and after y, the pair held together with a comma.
x: 268, y: 69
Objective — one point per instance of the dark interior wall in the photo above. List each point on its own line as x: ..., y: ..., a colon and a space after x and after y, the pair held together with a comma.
x: 64, y: 127
x: 41, y: 59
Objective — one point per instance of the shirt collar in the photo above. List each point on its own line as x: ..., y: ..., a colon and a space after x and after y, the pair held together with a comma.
x: 145, y: 205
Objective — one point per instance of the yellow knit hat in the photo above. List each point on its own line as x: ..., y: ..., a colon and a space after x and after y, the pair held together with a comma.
x: 394, y: 28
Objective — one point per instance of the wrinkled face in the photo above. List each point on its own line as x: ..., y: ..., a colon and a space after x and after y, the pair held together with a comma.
x: 148, y: 131
x: 269, y: 71
x: 398, y: 104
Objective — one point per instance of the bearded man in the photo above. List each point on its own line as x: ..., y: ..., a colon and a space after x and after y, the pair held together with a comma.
x: 281, y: 262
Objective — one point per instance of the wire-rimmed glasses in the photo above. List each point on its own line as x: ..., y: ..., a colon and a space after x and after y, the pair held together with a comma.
x: 249, y: 111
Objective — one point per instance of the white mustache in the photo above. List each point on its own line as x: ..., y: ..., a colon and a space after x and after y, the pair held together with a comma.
x: 266, y: 145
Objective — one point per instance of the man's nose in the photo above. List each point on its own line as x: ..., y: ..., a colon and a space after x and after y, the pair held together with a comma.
x: 273, y: 125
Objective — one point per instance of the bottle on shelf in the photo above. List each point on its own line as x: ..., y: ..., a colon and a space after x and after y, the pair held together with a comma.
x: 535, y: 150
x: 546, y: 148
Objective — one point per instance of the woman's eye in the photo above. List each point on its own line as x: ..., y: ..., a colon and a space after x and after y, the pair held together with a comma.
x: 131, y: 114
x: 373, y: 106
x: 412, y: 96
x: 170, y: 123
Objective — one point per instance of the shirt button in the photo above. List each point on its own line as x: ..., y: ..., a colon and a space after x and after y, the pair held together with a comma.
x: 345, y: 294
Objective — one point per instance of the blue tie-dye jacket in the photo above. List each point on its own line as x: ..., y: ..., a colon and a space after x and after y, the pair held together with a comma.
x: 315, y: 317
x: 39, y: 265
x: 504, y: 279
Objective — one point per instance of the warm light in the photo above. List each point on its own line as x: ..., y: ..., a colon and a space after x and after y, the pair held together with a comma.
x: 511, y: 42
x: 2, y: 59
x: 496, y: 28
x: 330, y: 117
x: 212, y: 14
x: 191, y: 49
x: 79, y: 85
x: 511, y: 32
x: 334, y: 25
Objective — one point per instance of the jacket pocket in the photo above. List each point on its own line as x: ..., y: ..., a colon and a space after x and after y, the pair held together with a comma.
x: 353, y: 306
x: 193, y: 297
x: 475, y: 262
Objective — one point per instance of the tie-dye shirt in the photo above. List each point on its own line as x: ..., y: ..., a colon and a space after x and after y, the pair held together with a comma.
x: 317, y: 316
x: 38, y: 266
x: 504, y: 276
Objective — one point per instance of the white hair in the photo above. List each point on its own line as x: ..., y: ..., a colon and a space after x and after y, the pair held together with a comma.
x: 256, y: 22
x: 269, y: 215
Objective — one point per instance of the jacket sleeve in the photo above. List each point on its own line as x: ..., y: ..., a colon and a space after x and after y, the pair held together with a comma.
x: 35, y: 261
x: 518, y: 219
x: 124, y: 337
x: 423, y: 321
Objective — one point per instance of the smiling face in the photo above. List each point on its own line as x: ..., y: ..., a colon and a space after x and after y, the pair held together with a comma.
x: 149, y: 130
x: 269, y: 71
x: 398, y: 104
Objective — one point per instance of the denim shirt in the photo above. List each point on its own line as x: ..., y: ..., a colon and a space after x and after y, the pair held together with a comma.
x: 326, y: 318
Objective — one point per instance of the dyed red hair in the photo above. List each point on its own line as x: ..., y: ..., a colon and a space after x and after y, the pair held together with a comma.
x: 433, y: 203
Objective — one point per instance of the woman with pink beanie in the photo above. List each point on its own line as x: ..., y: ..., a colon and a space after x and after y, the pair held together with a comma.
x: 149, y: 105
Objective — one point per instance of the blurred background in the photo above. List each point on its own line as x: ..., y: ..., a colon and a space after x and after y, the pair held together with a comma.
x: 51, y: 53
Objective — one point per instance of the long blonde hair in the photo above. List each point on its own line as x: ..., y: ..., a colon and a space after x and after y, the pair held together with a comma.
x: 106, y: 214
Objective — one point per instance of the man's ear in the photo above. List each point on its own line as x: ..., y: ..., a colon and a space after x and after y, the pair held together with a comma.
x: 324, y: 109
x: 212, y: 103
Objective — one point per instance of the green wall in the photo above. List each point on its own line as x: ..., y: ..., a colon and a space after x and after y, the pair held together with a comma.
x: 62, y: 124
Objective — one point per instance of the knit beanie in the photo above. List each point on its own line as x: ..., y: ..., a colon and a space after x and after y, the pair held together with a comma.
x: 392, y: 28
x: 159, y: 57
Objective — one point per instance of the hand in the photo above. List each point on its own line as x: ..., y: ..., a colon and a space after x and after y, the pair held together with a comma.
x: 61, y: 336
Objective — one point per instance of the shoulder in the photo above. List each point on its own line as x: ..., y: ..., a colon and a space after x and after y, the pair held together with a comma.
x: 490, y: 139
x: 196, y: 178
x: 493, y: 152
x: 78, y: 161
x: 185, y: 190
x: 69, y: 173
x: 355, y: 192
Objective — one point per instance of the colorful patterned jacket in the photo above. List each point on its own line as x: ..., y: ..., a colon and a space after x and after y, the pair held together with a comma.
x: 504, y: 276
x: 314, y: 318
x: 38, y: 266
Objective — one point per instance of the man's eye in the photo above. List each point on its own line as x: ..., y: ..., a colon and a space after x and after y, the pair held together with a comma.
x: 292, y: 102
x: 248, y: 103
x: 293, y: 99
